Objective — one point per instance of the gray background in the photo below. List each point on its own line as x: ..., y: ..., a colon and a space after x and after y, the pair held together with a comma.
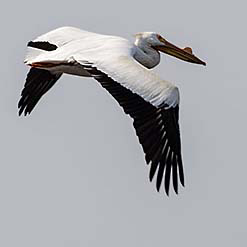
x: 73, y: 173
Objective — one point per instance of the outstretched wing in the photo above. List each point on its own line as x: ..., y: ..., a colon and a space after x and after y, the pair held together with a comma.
x: 38, y: 81
x: 156, y: 127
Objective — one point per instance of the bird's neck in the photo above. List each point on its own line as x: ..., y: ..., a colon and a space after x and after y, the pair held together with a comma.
x: 146, y: 55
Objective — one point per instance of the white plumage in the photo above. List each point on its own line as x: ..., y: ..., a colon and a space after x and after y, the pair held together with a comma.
x: 123, y: 69
x: 111, y: 55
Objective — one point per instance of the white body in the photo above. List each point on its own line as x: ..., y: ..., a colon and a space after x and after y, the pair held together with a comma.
x: 124, y: 62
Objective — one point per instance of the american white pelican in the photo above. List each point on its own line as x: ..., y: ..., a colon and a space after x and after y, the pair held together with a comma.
x: 122, y: 68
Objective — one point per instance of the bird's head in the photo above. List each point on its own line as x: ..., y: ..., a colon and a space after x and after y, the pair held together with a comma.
x: 158, y: 43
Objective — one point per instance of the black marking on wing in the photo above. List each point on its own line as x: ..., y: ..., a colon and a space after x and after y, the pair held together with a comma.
x: 43, y: 45
x: 38, y: 82
x: 156, y: 128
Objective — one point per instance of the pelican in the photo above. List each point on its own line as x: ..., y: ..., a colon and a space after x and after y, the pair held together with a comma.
x: 123, y: 69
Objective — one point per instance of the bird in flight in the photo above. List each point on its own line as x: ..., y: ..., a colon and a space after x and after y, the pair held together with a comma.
x: 123, y: 69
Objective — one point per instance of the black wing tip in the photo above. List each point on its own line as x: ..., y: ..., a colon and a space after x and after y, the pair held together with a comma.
x: 167, y: 188
x: 167, y: 183
x: 175, y: 188
x: 151, y: 174
x: 19, y: 113
x: 167, y: 192
x: 157, y: 187
x: 38, y: 82
x: 182, y: 179
x: 20, y: 109
x: 182, y: 183
x: 167, y: 178
x: 23, y: 112
x: 24, y: 108
x: 180, y: 170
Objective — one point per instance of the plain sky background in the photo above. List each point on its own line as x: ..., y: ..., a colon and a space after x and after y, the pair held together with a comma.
x: 73, y: 173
